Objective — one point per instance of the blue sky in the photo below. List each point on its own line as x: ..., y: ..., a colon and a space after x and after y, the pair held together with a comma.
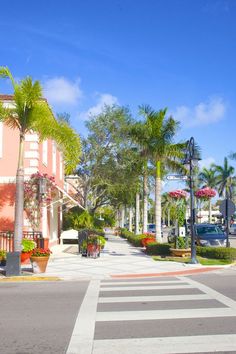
x: 179, y: 54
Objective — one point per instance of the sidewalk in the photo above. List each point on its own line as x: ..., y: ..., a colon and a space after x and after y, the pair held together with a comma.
x: 119, y: 259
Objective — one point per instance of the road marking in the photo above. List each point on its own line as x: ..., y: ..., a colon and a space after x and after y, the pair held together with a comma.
x: 148, y: 287
x: 211, y: 292
x: 141, y: 282
x: 154, y: 298
x: 170, y: 345
x: 83, y: 333
x: 164, y: 314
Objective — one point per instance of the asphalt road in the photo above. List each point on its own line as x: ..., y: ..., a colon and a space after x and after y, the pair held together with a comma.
x: 143, y: 315
x: 38, y: 317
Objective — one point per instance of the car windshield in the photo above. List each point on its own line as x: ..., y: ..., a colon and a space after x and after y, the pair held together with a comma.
x: 213, y: 230
x: 151, y: 226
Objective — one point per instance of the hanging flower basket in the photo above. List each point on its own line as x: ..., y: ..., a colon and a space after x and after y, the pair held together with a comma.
x: 178, y: 194
x: 33, y: 202
x: 205, y: 193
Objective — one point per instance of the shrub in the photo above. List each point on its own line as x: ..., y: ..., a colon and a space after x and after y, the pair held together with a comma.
x: 99, y: 232
x: 125, y: 233
x: 182, y: 242
x: 145, y: 241
x: 27, y: 245
x: 161, y: 249
x: 3, y: 254
x: 102, y: 241
x: 135, y: 240
x: 217, y: 252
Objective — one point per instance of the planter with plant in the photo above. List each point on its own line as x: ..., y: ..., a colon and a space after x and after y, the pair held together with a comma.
x: 39, y: 259
x: 181, y: 242
x: 3, y: 255
x: 27, y: 248
x: 93, y: 246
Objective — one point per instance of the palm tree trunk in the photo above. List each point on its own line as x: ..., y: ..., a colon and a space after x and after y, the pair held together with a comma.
x: 19, y: 197
x: 158, y: 201
x: 130, y: 219
x: 210, y: 220
x: 122, y: 216
x: 117, y: 218
x: 137, y: 213
x: 168, y: 217
x: 145, y: 201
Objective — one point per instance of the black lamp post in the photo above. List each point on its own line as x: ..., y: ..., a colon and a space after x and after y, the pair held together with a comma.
x: 42, y: 187
x: 191, y: 158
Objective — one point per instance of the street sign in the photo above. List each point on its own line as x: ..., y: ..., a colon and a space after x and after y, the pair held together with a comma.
x: 176, y: 178
x: 231, y: 208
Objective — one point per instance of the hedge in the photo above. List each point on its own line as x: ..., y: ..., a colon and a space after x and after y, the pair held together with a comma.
x: 217, y: 252
x: 163, y: 249
x: 158, y: 249
x: 135, y: 240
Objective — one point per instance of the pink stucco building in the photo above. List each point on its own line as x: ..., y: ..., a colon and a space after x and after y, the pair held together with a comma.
x: 43, y: 157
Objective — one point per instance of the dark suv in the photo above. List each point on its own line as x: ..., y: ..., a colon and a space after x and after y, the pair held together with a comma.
x: 210, y: 235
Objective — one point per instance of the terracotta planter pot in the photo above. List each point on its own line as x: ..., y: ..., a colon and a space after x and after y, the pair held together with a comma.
x: 25, y: 256
x: 180, y: 252
x: 39, y: 264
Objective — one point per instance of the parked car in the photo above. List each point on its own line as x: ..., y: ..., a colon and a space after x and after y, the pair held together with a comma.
x: 210, y: 235
x: 232, y: 229
x: 151, y: 228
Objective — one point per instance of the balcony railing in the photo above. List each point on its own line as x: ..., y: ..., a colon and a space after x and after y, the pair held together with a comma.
x: 7, y: 239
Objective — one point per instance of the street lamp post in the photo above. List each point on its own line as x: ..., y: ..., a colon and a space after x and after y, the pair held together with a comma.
x: 191, y: 157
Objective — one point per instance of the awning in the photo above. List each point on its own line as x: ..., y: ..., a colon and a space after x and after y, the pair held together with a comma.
x: 66, y: 198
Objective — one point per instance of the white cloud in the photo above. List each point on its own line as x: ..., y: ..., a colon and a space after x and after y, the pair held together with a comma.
x: 206, y: 162
x: 104, y: 99
x: 203, y: 113
x: 59, y: 90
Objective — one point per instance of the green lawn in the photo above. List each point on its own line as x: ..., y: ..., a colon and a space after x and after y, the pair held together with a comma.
x: 201, y: 260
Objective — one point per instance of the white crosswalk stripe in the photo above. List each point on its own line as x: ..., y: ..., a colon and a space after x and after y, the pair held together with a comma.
x: 154, y: 298
x: 105, y: 327
x: 148, y: 287
x: 170, y: 345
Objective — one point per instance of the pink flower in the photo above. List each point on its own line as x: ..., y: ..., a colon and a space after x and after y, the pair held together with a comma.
x: 178, y: 194
x: 205, y: 193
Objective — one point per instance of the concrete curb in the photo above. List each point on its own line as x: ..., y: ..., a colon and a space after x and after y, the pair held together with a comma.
x: 28, y: 279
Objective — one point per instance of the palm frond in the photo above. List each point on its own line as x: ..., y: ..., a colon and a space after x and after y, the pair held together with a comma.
x: 5, y: 73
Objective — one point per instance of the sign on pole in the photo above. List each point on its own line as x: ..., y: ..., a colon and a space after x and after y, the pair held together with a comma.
x: 223, y: 208
x: 176, y: 178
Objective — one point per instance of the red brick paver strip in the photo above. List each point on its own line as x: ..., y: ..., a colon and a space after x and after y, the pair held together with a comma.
x: 178, y: 272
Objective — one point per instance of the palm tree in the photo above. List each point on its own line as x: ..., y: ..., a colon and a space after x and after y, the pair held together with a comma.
x: 31, y: 113
x: 225, y: 179
x: 138, y: 135
x: 167, y: 205
x: 207, y: 178
x: 158, y: 135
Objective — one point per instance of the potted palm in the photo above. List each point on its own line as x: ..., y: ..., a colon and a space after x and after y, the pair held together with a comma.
x: 27, y: 248
x: 39, y: 259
